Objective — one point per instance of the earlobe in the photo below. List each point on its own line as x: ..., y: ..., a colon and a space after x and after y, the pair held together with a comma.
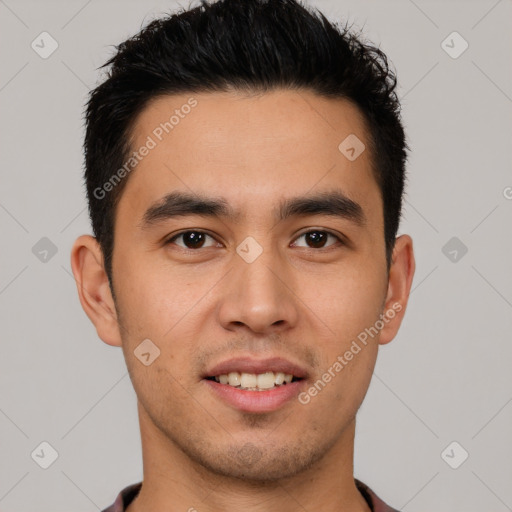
x: 94, y: 289
x: 401, y: 274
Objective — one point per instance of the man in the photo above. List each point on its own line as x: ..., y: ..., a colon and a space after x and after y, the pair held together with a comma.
x: 244, y: 168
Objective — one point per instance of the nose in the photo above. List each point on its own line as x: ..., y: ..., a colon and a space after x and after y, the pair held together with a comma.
x: 259, y: 296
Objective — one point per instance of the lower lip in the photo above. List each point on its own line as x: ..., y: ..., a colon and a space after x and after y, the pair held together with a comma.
x: 256, y: 401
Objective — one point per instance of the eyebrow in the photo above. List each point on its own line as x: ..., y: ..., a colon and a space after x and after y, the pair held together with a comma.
x: 175, y: 204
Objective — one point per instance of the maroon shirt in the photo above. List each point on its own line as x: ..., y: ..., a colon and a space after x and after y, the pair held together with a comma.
x: 128, y: 494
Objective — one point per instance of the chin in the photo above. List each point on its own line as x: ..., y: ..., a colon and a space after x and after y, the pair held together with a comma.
x: 252, y: 463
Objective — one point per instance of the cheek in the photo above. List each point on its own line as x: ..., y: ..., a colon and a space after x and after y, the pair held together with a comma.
x: 349, y: 304
x: 155, y: 297
x: 168, y: 306
x: 336, y: 394
x: 158, y: 306
x: 347, y: 301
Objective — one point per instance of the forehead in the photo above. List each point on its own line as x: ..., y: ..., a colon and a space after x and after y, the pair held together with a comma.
x: 241, y: 146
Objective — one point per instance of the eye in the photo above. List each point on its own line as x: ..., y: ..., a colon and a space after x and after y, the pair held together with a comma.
x: 191, y: 239
x: 316, y: 239
x: 195, y: 239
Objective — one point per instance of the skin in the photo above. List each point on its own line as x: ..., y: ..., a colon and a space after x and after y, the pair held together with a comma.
x: 201, y: 306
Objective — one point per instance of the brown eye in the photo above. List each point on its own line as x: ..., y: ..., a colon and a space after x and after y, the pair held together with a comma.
x: 316, y: 239
x: 191, y: 239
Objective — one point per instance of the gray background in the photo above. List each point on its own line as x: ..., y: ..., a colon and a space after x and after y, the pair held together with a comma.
x: 446, y: 377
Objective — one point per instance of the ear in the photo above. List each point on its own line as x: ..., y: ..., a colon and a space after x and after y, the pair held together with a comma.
x: 93, y: 288
x: 401, y: 273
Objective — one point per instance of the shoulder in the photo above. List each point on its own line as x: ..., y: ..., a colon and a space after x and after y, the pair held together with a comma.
x: 375, y: 503
x: 124, y: 498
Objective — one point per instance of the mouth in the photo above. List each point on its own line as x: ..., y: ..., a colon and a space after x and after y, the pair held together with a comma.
x: 257, y: 386
x: 255, y: 382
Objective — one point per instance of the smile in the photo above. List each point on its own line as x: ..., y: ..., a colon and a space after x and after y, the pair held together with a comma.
x: 253, y: 381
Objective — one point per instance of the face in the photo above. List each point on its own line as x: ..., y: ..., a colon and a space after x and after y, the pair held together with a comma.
x: 284, y: 270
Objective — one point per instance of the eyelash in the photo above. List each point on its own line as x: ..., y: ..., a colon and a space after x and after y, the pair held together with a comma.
x: 323, y: 231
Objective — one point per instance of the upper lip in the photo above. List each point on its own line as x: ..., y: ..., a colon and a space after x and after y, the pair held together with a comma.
x: 257, y: 366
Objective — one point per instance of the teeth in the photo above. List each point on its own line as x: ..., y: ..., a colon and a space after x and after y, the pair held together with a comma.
x: 234, y: 379
x: 248, y: 380
x: 265, y: 380
x: 255, y: 382
x: 279, y: 378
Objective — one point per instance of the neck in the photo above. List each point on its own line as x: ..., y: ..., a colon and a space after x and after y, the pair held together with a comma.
x: 173, y: 481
